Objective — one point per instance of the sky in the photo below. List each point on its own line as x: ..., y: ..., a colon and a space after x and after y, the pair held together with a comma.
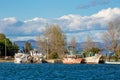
x: 26, y: 19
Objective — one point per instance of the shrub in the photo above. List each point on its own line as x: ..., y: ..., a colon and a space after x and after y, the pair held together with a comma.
x: 53, y: 55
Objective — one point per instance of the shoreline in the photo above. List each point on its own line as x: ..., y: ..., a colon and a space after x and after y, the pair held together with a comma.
x: 8, y: 60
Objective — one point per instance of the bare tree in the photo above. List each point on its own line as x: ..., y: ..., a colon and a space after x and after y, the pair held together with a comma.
x: 88, y: 45
x: 41, y: 44
x: 55, y: 39
x: 112, y: 36
x: 72, y: 45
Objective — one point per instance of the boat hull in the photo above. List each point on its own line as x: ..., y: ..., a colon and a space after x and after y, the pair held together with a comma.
x: 112, y: 62
x: 72, y: 61
x: 93, y: 59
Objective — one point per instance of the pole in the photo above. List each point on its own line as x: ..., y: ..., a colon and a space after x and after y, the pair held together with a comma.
x: 5, y: 49
x: 47, y: 47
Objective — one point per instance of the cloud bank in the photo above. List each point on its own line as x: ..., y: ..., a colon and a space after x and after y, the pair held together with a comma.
x: 72, y: 25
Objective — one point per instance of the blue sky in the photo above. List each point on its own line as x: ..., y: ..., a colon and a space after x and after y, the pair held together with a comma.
x: 27, y: 9
x: 25, y: 19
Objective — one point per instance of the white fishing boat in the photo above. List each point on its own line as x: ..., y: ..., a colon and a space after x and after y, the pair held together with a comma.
x: 92, y: 59
x: 33, y: 57
x: 36, y: 56
x: 21, y: 58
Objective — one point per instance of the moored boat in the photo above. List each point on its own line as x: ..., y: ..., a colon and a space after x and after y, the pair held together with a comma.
x: 72, y: 59
x: 21, y: 58
x: 93, y: 59
x: 111, y: 62
x: 33, y: 57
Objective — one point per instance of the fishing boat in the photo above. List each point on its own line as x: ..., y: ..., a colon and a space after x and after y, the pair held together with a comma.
x: 93, y: 59
x: 71, y: 59
x: 110, y: 53
x: 21, y: 58
x: 36, y: 56
x: 33, y: 57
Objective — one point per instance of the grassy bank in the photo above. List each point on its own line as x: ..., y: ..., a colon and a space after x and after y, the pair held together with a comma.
x: 8, y: 60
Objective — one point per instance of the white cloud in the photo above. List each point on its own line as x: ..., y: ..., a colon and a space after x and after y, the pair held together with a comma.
x: 10, y: 20
x: 6, y: 23
x: 23, y: 38
x: 71, y: 24
x: 34, y: 26
x: 95, y: 21
x: 107, y: 14
x: 36, y: 19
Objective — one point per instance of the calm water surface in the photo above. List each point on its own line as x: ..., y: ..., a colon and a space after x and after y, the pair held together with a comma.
x: 11, y: 71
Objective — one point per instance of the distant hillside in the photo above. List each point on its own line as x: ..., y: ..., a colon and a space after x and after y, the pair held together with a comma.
x: 34, y: 44
x: 22, y: 43
x: 80, y: 45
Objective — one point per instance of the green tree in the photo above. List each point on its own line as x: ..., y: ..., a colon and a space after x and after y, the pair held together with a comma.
x: 6, y: 46
x: 2, y: 48
x: 53, y: 55
x: 2, y: 36
x: 14, y: 49
x: 94, y: 50
x: 27, y: 47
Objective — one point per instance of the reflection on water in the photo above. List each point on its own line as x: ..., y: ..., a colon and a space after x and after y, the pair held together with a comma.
x: 11, y: 71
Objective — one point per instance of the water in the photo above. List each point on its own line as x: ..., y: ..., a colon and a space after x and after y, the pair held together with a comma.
x: 11, y: 71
